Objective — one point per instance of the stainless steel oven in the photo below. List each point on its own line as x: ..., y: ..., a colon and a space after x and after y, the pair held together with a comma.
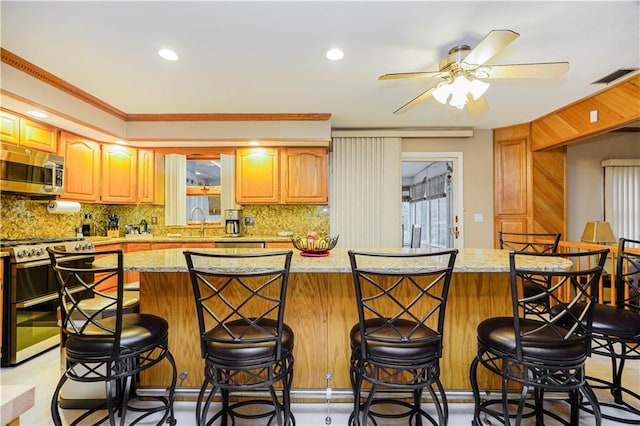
x: 30, y: 300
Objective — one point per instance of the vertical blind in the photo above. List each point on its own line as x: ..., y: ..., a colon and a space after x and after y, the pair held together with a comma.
x: 366, y: 192
x: 622, y: 197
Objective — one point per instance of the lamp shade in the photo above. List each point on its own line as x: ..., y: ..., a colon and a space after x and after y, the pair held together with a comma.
x: 598, y: 232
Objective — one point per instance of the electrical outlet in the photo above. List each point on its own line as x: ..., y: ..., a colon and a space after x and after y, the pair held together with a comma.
x: 154, y: 220
x: 593, y: 116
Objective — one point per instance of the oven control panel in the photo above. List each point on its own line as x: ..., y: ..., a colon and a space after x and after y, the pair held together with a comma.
x: 33, y: 252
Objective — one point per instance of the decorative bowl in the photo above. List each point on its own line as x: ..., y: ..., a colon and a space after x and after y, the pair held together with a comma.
x: 312, y: 247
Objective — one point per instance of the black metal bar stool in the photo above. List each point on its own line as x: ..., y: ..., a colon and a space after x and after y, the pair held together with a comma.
x: 246, y: 346
x: 534, y: 243
x: 103, y: 343
x: 616, y: 335
x: 397, y: 343
x: 544, y: 351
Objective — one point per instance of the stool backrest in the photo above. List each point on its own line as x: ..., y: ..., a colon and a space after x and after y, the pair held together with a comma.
x: 241, y: 288
x: 86, y: 309
x: 568, y: 283
x: 628, y: 275
x: 396, y: 288
x: 529, y: 242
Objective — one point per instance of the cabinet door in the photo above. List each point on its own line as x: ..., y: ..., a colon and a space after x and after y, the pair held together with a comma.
x: 304, y: 175
x: 257, y: 176
x: 37, y: 135
x: 82, y: 168
x: 9, y: 128
x: 118, y: 174
x: 146, y: 176
x: 191, y: 245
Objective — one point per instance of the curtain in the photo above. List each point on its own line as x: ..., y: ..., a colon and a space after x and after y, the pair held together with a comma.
x: 366, y: 192
x: 622, y: 197
x: 175, y: 188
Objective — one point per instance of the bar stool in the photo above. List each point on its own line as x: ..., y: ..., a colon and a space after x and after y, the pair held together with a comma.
x: 246, y: 346
x: 534, y: 243
x: 616, y: 334
x: 544, y: 351
x: 102, y: 343
x: 397, y: 342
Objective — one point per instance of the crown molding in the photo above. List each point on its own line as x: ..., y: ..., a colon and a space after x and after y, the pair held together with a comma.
x: 68, y: 88
x: 52, y: 80
x: 230, y: 117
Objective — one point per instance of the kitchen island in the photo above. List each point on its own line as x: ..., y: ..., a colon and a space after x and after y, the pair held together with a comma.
x: 321, y: 309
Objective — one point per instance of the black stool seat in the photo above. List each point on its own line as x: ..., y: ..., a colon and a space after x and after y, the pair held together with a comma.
x: 424, y: 342
x: 238, y: 352
x: 499, y: 334
x: 139, y: 331
x: 617, y: 322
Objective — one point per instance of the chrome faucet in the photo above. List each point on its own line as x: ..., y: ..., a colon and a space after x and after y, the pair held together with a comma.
x: 193, y: 210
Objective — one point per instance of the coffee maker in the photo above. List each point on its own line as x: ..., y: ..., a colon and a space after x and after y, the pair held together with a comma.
x: 234, y: 222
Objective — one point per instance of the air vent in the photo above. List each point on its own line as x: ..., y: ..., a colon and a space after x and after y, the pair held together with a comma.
x: 615, y: 75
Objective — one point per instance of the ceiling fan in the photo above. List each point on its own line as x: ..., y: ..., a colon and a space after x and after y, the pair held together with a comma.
x: 463, y: 70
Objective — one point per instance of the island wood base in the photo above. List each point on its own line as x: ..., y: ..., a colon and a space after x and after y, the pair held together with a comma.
x: 321, y: 309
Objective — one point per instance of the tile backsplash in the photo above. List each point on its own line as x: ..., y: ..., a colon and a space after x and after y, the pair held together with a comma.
x: 23, y: 217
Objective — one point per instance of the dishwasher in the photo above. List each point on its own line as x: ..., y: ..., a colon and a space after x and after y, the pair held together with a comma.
x: 240, y: 244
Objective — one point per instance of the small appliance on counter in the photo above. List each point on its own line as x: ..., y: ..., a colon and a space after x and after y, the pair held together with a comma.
x: 234, y: 223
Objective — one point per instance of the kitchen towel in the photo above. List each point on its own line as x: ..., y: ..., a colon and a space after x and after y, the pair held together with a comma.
x: 63, y: 207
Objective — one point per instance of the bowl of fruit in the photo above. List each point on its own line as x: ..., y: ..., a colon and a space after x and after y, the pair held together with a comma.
x: 313, y: 245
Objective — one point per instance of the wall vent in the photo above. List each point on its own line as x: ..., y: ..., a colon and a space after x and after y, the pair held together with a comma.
x: 615, y: 75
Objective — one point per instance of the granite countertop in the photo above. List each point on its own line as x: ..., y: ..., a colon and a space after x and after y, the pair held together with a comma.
x: 184, y: 239
x: 468, y: 260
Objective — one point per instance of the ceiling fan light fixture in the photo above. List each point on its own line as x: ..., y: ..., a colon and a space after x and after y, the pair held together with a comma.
x: 458, y: 99
x: 478, y: 88
x: 442, y: 92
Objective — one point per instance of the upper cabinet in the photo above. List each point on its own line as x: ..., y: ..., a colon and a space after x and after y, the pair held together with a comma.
x: 304, y: 175
x: 146, y: 176
x: 96, y: 172
x: 82, y: 168
x: 257, y: 176
x: 281, y: 175
x: 28, y: 133
x: 119, y: 174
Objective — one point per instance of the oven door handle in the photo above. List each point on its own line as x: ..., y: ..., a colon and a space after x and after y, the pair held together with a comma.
x: 46, y: 298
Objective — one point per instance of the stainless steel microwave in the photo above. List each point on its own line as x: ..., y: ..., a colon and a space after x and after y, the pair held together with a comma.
x: 29, y: 171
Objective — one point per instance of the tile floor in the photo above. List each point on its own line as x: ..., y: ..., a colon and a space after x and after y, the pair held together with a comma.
x: 43, y: 372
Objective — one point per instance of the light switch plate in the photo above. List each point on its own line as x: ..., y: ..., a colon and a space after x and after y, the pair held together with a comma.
x: 593, y: 116
x: 478, y: 217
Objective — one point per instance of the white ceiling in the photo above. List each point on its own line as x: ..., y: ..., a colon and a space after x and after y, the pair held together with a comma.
x: 268, y: 57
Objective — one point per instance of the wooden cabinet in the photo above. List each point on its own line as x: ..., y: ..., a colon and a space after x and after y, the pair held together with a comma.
x: 28, y: 133
x: 146, y: 176
x: 82, y: 168
x: 118, y: 174
x: 529, y: 187
x: 279, y: 244
x: 9, y: 127
x: 304, y: 175
x: 281, y: 175
x: 257, y: 176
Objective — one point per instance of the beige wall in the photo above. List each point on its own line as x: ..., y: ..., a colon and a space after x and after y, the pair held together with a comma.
x: 477, y: 169
x: 585, y: 176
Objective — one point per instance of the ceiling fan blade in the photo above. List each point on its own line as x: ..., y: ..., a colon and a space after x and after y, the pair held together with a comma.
x: 541, y: 70
x: 493, y: 43
x: 476, y: 106
x: 415, y: 101
x: 412, y: 75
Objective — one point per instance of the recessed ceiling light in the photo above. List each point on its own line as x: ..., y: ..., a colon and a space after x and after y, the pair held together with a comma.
x: 37, y: 114
x: 168, y: 54
x: 335, y: 54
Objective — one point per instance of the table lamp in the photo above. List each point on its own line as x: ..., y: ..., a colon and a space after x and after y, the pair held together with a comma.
x: 598, y: 232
